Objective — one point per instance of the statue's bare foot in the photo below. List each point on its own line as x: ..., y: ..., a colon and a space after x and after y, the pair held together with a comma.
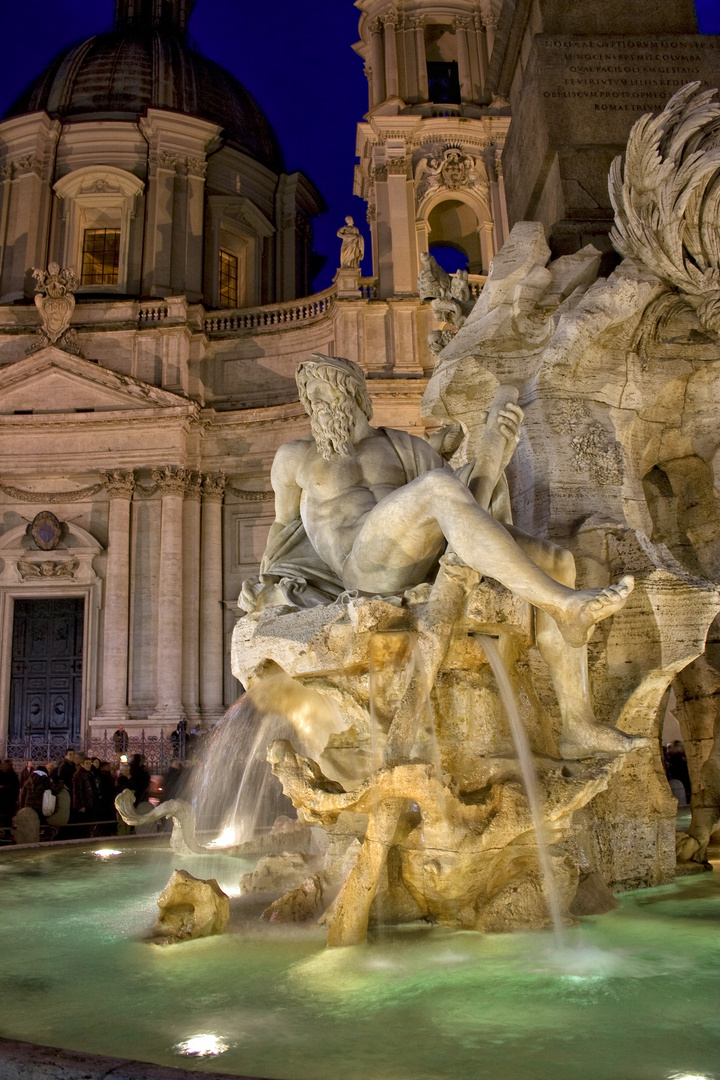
x: 585, y: 739
x: 590, y: 606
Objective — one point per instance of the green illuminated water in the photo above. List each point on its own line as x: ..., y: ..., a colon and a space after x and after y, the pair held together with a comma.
x: 638, y: 998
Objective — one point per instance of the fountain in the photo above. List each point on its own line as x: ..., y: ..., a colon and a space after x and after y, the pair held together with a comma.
x: 469, y: 742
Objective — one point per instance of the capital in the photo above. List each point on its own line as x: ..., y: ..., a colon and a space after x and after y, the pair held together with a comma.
x: 193, y: 486
x: 120, y: 483
x: 213, y: 487
x: 170, y: 479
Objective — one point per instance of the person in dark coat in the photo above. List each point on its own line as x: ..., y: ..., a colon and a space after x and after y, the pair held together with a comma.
x: 83, y: 796
x: 65, y: 769
x: 9, y: 792
x: 106, y: 798
x: 139, y: 778
x: 121, y: 741
x: 172, y: 781
x: 32, y: 791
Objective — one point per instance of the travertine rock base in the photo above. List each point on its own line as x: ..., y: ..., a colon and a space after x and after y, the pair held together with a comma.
x: 190, y: 908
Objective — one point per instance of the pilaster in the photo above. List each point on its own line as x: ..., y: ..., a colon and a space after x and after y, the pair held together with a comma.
x: 377, y: 62
x: 174, y: 228
x: 157, y: 258
x: 392, y: 82
x: 171, y: 482
x: 191, y: 597
x: 462, y: 25
x: 27, y: 164
x: 116, y: 606
x: 211, y: 596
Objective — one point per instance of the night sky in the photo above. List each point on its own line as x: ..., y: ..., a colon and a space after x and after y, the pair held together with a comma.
x: 301, y: 68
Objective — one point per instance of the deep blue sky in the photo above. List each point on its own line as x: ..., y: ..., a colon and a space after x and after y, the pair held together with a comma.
x: 301, y: 68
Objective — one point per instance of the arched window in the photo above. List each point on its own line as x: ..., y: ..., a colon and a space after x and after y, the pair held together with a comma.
x: 97, y: 206
x: 454, y: 234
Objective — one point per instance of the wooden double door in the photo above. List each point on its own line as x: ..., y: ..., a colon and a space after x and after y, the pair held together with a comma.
x: 47, y: 670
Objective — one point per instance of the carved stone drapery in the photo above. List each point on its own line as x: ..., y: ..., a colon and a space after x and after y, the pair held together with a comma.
x: 74, y: 495
x: 250, y: 496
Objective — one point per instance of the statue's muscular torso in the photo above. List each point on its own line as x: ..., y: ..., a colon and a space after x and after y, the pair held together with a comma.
x: 334, y: 498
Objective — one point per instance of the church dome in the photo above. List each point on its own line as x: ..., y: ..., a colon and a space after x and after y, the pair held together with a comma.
x: 119, y: 75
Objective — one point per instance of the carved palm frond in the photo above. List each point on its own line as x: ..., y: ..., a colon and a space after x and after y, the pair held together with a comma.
x: 667, y: 198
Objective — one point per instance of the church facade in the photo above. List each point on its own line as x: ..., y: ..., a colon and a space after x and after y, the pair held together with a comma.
x: 154, y: 304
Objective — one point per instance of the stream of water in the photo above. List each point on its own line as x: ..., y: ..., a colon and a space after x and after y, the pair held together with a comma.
x: 522, y: 746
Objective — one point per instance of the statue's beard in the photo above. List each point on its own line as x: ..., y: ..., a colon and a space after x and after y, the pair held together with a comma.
x: 331, y: 428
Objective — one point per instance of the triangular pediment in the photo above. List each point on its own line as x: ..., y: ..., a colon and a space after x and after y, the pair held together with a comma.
x: 53, y: 381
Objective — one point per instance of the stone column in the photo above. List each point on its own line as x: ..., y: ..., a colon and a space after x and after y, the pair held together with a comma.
x: 411, y: 89
x: 377, y: 61
x: 421, y: 58
x: 367, y: 69
x: 490, y: 23
x: 487, y: 245
x: 498, y: 208
x: 116, y: 605
x: 392, y: 86
x: 191, y: 598
x: 478, y: 57
x: 168, y: 709
x: 461, y: 36
x: 211, y: 595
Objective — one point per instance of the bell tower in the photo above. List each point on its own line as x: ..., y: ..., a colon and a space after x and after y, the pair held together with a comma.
x: 430, y: 143
x: 153, y: 13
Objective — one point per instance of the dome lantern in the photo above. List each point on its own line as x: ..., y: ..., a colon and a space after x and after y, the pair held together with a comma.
x: 153, y: 13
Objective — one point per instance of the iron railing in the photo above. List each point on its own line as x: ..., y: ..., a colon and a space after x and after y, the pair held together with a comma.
x: 157, y: 749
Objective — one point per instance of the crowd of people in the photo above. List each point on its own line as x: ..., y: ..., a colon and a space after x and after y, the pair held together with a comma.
x: 82, y: 791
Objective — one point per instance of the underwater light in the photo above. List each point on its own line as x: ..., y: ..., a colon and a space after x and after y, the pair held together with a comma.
x: 227, y: 838
x: 202, y: 1046
x: 689, y: 1076
x: 105, y: 853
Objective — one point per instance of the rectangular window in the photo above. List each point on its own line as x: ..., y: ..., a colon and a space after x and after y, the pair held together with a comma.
x: 100, y: 257
x: 443, y: 82
x: 228, y: 279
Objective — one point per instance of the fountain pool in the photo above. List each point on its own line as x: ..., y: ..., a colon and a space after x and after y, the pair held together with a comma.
x: 636, y: 997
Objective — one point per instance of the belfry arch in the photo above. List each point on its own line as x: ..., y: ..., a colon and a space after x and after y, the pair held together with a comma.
x: 460, y: 220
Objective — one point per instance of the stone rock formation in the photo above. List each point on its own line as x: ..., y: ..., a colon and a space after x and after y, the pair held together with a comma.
x: 190, y: 908
x: 276, y: 873
x: 297, y: 905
